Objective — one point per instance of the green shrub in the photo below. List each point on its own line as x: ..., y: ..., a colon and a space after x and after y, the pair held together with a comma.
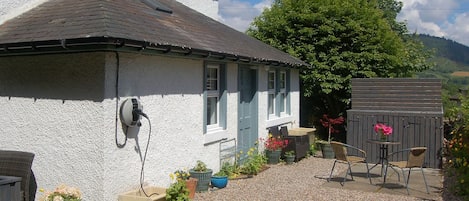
x: 458, y: 149
x: 177, y: 191
x: 254, y: 162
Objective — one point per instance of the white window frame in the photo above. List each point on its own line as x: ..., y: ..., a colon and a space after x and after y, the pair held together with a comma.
x: 282, y: 92
x: 271, y: 91
x: 278, y: 107
x: 213, y: 93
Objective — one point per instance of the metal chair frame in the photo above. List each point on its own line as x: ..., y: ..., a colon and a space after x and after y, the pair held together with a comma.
x: 340, y: 150
x: 415, y: 159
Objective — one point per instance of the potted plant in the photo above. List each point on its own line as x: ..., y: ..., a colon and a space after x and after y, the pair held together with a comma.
x: 273, y: 148
x: 331, y: 124
x: 177, y: 191
x: 219, y: 179
x: 62, y: 192
x: 289, y: 157
x: 383, y: 131
x: 202, y: 174
x: 190, y: 182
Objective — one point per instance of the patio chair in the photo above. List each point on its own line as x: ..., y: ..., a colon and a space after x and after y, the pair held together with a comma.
x: 415, y: 159
x: 342, y: 156
x: 18, y: 164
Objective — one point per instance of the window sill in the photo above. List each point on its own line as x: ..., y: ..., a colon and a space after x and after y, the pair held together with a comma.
x: 279, y: 121
x: 214, y: 136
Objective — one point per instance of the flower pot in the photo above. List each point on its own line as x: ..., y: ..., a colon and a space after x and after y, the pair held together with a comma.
x: 327, y: 151
x: 203, y: 179
x: 273, y: 157
x: 289, y: 159
x: 191, y: 185
x: 383, y: 138
x: 219, y: 181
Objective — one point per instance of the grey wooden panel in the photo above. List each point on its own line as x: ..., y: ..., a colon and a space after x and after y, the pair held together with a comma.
x: 411, y: 130
x: 397, y: 94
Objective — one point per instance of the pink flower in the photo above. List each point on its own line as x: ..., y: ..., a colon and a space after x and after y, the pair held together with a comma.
x: 274, y: 143
x: 382, y: 128
x: 387, y: 130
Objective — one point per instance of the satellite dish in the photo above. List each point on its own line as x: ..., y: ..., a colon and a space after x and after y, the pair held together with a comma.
x: 130, y: 112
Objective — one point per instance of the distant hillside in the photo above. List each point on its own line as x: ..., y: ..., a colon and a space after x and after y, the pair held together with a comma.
x: 451, y: 60
x: 449, y: 49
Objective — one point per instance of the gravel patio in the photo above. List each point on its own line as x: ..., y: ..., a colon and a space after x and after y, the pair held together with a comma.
x: 306, y: 180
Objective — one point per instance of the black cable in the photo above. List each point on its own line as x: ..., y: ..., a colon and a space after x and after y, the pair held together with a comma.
x: 145, y: 156
x: 117, y: 103
x: 125, y: 141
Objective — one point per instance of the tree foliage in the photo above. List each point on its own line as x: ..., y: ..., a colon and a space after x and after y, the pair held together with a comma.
x: 458, y: 150
x: 341, y: 40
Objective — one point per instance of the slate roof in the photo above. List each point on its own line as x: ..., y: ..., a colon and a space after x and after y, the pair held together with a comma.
x: 129, y: 25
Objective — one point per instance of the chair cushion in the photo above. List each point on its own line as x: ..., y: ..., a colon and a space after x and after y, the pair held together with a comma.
x: 400, y: 164
x: 355, y: 159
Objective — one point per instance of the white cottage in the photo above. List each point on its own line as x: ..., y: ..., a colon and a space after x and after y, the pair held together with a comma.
x: 67, y: 66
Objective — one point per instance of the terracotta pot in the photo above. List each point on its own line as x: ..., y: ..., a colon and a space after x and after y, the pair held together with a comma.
x: 191, y: 183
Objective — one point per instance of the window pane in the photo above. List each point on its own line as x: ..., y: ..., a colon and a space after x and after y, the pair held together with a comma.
x: 283, y: 77
x: 282, y: 102
x: 212, y: 79
x: 212, y: 110
x: 271, y: 103
x: 271, y: 80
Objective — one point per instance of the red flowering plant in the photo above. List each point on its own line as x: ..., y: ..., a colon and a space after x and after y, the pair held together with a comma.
x: 274, y: 143
x: 331, y: 124
x: 383, y: 130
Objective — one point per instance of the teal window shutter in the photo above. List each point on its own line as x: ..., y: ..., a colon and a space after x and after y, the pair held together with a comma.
x: 287, y: 92
x: 223, y: 98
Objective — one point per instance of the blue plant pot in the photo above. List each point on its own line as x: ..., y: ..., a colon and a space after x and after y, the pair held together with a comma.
x: 219, y: 181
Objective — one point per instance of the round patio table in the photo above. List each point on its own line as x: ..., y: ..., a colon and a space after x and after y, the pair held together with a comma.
x: 383, y: 149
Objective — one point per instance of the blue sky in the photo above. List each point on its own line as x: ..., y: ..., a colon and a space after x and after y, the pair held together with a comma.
x: 443, y: 18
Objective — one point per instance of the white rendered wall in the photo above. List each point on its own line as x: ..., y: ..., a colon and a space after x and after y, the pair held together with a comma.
x: 171, y: 92
x: 290, y: 120
x: 63, y: 108
x: 51, y: 106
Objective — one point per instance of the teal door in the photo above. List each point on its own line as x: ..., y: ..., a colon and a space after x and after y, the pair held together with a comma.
x: 247, y: 109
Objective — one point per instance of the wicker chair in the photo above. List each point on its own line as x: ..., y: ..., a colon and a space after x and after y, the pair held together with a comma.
x: 342, y: 156
x: 18, y: 164
x: 415, y: 159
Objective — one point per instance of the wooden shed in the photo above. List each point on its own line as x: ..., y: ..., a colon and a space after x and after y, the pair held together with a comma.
x: 413, y: 107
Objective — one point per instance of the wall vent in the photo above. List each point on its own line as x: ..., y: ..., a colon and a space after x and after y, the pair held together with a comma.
x: 156, y: 5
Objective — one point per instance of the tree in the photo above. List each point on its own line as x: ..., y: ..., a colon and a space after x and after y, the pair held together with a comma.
x: 341, y: 40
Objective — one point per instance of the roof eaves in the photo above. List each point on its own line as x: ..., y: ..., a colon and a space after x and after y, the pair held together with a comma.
x: 126, y: 45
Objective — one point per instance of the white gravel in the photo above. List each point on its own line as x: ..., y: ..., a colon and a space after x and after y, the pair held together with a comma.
x: 300, y: 181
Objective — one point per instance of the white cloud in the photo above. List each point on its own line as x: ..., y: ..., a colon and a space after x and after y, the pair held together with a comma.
x: 459, y: 30
x: 239, y: 14
x: 443, y: 18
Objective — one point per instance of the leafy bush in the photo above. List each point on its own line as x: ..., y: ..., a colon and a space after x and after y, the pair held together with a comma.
x: 254, y: 162
x: 177, y: 191
x: 459, y: 150
x: 290, y: 153
x: 226, y: 170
